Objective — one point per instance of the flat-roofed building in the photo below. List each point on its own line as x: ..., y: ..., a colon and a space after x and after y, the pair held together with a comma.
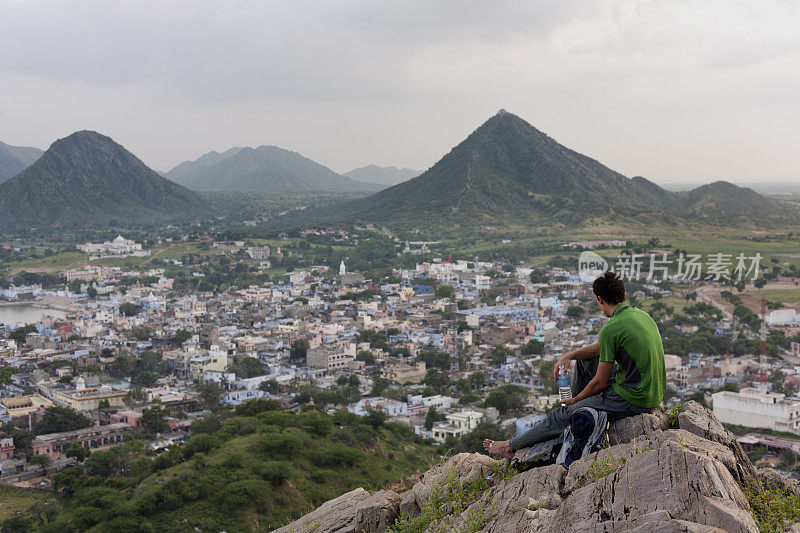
x: 329, y: 360
x: 756, y: 409
x: 402, y: 373
x: 456, y: 425
x: 55, y: 444
x: 24, y: 411
x: 6, y: 446
x: 89, y: 398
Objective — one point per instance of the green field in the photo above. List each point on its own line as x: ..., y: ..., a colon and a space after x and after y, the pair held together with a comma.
x: 788, y: 297
x: 53, y: 263
x: 13, y: 499
x: 670, y: 301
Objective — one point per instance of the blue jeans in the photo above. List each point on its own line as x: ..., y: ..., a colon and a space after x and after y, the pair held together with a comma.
x: 558, y: 419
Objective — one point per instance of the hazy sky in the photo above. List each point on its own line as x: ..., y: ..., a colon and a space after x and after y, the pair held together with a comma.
x: 674, y: 91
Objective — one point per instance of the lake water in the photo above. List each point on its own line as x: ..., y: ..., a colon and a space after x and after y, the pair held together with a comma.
x: 12, y: 314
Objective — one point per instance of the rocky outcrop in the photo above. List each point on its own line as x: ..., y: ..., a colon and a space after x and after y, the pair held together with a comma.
x: 650, y: 478
x: 670, y: 474
x: 636, y: 427
x: 698, y: 420
x: 463, y: 467
x: 354, y: 512
x: 774, y: 480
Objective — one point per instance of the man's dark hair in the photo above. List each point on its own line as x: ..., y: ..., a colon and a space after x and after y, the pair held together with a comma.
x: 610, y: 288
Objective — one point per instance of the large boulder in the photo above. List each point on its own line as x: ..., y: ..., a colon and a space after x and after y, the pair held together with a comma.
x: 636, y: 427
x: 525, y: 502
x: 353, y: 512
x: 698, y: 420
x: 680, y: 478
x: 463, y: 467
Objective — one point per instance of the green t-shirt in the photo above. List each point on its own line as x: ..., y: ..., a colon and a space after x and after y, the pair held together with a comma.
x: 631, y: 338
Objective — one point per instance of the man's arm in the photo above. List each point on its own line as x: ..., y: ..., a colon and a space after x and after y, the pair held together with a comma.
x: 589, y: 351
x: 598, y: 383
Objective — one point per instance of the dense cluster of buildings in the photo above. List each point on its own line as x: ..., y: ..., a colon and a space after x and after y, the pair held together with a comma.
x: 315, y: 326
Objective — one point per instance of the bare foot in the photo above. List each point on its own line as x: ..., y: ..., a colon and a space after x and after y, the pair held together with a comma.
x: 499, y: 447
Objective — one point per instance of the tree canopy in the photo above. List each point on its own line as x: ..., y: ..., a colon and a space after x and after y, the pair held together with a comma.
x: 59, y: 419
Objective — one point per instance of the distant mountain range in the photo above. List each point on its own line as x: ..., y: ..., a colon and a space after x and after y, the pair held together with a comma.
x: 15, y: 159
x: 87, y: 179
x: 508, y: 172
x: 385, y: 176
x: 266, y: 168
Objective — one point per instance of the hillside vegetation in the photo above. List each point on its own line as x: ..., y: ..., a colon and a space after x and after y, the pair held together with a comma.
x: 87, y: 179
x: 507, y: 173
x: 251, y: 469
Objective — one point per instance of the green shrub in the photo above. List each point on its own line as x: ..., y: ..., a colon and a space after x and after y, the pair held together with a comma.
x: 244, y: 492
x: 672, y: 416
x: 171, y: 457
x: 126, y: 524
x: 241, y: 425
x: 207, y: 424
x: 259, y: 405
x: 772, y: 509
x: 233, y: 461
x: 345, y: 418
x: 319, y: 423
x: 277, y: 418
x: 84, y: 517
x: 333, y: 456
x: 199, y: 443
x: 275, y: 471
x: 101, y: 497
x: 446, y: 501
x: 280, y: 445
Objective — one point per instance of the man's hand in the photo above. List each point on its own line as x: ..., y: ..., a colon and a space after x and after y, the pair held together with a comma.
x: 566, y: 361
x: 568, y: 402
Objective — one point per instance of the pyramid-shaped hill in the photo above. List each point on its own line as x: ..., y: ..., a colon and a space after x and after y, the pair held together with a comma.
x: 508, y: 172
x: 87, y: 179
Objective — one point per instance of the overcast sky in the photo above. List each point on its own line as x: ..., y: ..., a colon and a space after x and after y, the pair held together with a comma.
x: 674, y: 91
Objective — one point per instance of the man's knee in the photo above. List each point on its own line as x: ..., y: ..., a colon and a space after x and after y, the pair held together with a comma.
x: 560, y: 415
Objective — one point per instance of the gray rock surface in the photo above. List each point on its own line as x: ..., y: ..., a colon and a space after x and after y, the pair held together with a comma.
x: 698, y: 420
x: 683, y: 479
x: 775, y: 480
x: 353, y: 512
x: 526, y: 502
x: 463, y: 466
x: 636, y: 427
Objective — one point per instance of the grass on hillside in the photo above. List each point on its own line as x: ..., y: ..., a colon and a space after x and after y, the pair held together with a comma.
x: 670, y: 301
x: 788, y: 297
x: 253, y: 469
x: 14, y: 499
x: 772, y: 509
x: 54, y: 263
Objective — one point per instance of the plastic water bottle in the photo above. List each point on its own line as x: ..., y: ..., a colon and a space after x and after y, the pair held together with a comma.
x: 564, y: 390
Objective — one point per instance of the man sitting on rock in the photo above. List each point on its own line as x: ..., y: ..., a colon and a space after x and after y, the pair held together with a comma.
x: 631, y: 339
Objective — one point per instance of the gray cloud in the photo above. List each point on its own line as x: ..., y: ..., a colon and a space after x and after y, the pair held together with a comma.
x: 638, y: 84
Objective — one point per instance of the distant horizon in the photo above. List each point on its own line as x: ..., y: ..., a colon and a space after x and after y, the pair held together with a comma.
x: 761, y: 185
